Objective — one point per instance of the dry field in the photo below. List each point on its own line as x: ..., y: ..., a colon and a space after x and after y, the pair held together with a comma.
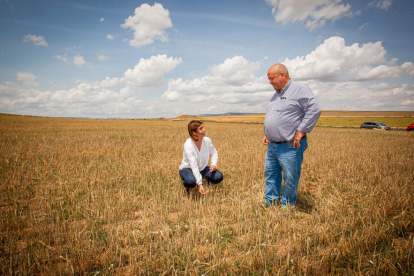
x: 103, y: 197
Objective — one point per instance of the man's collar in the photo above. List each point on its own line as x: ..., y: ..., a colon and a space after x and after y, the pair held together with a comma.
x: 283, y: 90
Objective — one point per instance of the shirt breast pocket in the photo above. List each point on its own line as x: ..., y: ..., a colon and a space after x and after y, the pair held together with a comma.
x: 280, y: 104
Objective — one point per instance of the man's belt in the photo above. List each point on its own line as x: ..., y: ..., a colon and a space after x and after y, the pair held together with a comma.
x: 291, y: 140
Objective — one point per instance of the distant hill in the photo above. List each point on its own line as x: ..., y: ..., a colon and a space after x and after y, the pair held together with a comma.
x: 184, y: 116
x: 214, y: 115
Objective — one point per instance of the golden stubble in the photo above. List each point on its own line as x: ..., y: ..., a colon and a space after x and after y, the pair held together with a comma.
x: 96, y: 197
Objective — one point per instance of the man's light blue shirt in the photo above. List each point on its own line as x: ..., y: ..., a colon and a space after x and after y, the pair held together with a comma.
x: 295, y: 108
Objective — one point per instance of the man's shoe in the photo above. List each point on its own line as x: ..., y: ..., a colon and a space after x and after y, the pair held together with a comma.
x: 263, y: 204
x: 283, y: 211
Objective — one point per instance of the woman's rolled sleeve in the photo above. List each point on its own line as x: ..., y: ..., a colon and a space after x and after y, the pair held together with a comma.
x: 214, y: 155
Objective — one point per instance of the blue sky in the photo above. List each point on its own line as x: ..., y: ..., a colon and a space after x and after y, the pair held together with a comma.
x: 137, y: 59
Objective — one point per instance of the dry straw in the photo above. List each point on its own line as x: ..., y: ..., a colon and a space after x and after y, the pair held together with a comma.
x: 104, y: 197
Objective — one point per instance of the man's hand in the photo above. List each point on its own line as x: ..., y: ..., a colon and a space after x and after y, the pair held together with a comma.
x: 296, y: 140
x: 201, y: 189
x: 265, y: 141
x: 213, y: 168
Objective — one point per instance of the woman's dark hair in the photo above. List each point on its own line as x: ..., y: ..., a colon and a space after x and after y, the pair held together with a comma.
x: 193, y: 126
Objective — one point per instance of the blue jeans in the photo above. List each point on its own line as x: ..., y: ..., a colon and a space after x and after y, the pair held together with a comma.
x: 283, y: 157
x: 189, y: 180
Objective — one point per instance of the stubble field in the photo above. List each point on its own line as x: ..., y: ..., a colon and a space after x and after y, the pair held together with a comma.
x: 103, y: 197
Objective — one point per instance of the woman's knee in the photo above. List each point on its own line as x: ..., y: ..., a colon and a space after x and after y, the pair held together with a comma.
x: 189, y: 182
x: 216, y: 177
x: 188, y: 178
x: 189, y: 185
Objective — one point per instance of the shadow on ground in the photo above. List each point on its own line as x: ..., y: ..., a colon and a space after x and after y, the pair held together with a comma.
x: 305, y: 203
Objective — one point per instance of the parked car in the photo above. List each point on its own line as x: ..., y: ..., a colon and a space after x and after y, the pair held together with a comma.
x: 374, y: 125
x: 410, y: 127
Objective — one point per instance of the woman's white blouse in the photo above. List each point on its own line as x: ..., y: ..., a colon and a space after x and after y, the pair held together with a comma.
x: 196, y: 159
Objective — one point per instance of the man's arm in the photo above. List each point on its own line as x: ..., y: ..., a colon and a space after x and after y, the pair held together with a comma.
x: 311, y: 109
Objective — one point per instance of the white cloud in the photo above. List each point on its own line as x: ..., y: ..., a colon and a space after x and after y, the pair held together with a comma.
x: 408, y: 68
x: 235, y: 71
x: 383, y: 86
x: 83, y: 92
x: 334, y: 61
x: 94, y: 100
x: 229, y: 82
x: 150, y: 72
x: 408, y: 103
x: 74, y: 46
x: 392, y: 89
x: 27, y: 78
x: 109, y: 82
x: 110, y: 37
x: 102, y: 57
x: 102, y: 19
x: 37, y: 40
x: 315, y: 13
x: 337, y: 74
x: 64, y: 57
x: 83, y: 100
x: 78, y: 60
x: 382, y: 4
x: 359, y: 96
x: 149, y: 24
x: 363, y: 26
x: 234, y: 75
x: 21, y: 98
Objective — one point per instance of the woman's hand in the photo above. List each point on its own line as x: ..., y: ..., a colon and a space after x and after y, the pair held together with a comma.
x: 201, y: 189
x: 213, y: 168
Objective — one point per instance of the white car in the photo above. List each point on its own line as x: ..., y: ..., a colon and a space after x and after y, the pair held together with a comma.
x: 374, y: 125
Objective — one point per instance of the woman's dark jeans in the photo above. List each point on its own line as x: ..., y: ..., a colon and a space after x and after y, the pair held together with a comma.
x: 189, y: 180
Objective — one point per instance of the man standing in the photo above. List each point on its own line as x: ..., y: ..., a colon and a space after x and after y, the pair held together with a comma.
x: 291, y: 113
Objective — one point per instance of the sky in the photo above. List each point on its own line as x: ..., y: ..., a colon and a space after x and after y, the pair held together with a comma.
x: 139, y: 59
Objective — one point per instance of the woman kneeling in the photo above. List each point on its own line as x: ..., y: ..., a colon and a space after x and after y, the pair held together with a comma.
x: 197, y: 150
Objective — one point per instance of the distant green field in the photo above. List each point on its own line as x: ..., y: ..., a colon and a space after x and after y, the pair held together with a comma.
x: 395, y: 122
x: 334, y: 121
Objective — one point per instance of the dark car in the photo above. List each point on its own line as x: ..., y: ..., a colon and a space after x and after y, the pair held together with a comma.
x: 410, y: 127
x: 374, y: 125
